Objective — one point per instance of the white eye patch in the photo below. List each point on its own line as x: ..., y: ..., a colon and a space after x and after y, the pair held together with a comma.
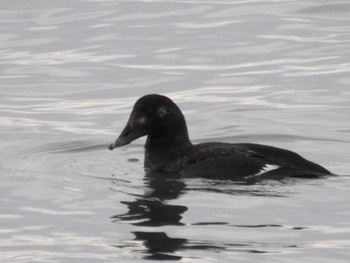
x: 161, y: 112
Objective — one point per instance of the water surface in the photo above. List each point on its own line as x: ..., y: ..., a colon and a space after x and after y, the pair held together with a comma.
x: 263, y: 71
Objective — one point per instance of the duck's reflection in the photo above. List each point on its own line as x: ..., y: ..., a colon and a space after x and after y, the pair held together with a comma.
x: 152, y: 213
x: 160, y: 246
x: 152, y: 210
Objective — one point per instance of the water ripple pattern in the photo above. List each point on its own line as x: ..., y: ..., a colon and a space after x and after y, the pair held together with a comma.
x: 264, y: 71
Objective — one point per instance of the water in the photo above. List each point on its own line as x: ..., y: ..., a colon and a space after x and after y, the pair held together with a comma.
x: 264, y: 71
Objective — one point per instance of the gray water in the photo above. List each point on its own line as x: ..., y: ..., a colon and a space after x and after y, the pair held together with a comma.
x: 264, y: 71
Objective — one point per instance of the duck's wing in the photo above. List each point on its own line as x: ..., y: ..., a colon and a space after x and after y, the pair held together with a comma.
x: 216, y: 160
x: 282, y: 157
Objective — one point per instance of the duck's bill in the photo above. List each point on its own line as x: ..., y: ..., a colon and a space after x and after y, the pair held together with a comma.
x: 126, y: 137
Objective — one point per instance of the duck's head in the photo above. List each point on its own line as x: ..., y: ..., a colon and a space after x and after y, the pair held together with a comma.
x: 155, y: 116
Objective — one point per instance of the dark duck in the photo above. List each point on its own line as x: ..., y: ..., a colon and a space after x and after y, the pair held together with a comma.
x: 169, y: 149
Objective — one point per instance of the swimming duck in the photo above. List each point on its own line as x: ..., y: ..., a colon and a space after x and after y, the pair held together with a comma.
x: 169, y: 149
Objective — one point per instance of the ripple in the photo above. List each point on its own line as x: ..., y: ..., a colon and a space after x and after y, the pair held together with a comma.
x: 55, y: 212
x: 275, y: 137
x: 207, y: 67
x: 206, y: 25
x: 327, y: 9
x: 317, y: 70
x: 67, y: 148
x: 306, y: 39
x: 56, y: 58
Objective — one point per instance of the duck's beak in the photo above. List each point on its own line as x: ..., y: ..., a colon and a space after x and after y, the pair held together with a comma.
x: 127, y: 136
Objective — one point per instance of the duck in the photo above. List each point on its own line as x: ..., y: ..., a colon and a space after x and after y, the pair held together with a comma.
x: 169, y: 149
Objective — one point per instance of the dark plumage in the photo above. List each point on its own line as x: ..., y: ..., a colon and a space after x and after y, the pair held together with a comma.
x: 169, y: 149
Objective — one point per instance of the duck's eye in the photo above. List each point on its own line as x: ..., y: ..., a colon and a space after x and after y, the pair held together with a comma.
x: 141, y: 121
x: 162, y: 111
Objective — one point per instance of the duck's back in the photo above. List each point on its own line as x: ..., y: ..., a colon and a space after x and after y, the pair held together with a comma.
x: 214, y: 160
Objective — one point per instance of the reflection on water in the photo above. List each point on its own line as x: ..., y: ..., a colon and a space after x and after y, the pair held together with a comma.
x: 152, y: 210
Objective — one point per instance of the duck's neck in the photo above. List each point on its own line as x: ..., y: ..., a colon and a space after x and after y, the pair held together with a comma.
x: 165, y: 152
